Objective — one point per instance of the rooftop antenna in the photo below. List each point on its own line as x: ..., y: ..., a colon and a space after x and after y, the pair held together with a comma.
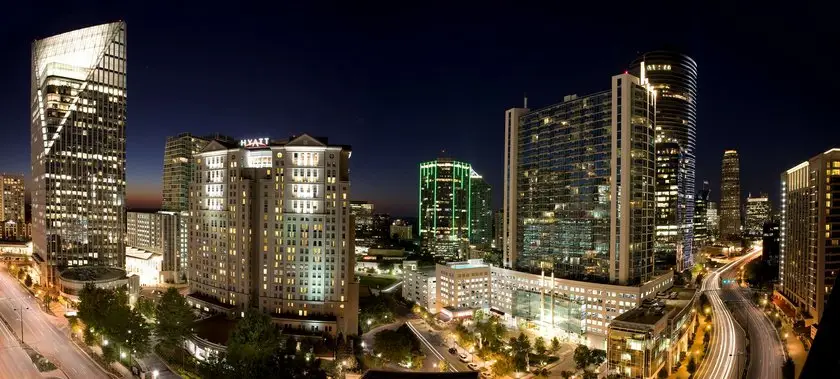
x: 526, y: 100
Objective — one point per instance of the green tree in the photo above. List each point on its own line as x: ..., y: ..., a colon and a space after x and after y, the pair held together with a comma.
x: 175, y: 319
x: 539, y: 346
x: 597, y: 357
x: 566, y: 374
x: 555, y: 345
x: 589, y: 375
x: 692, y: 366
x: 396, y: 345
x: 581, y: 356
x: 138, y: 333
x: 146, y: 307
x: 503, y: 366
x: 110, y: 353
x: 252, y: 345
x: 28, y: 280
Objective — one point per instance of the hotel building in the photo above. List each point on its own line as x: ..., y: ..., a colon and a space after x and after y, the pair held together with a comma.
x: 78, y: 100
x: 270, y: 229
x: 810, y: 234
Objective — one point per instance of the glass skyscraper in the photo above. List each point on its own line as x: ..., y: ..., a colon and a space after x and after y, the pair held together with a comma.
x: 730, y: 197
x: 78, y: 102
x: 444, y: 214
x: 674, y: 78
x: 481, y: 211
x: 583, y: 187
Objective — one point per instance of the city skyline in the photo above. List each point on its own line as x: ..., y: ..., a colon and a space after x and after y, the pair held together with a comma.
x: 372, y: 99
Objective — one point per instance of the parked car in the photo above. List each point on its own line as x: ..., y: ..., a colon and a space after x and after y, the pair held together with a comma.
x: 472, y: 366
x: 486, y: 374
x: 463, y: 357
x: 453, y: 351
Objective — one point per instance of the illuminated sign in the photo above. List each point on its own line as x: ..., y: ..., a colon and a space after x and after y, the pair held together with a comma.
x: 254, y: 142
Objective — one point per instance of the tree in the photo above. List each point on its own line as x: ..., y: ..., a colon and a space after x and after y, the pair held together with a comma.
x: 503, y: 366
x: 581, y: 356
x: 589, y: 375
x: 252, y: 345
x: 566, y: 374
x: 28, y: 280
x: 146, y: 307
x: 788, y: 369
x: 706, y: 338
x: 21, y: 274
x: 597, y: 357
x: 175, y: 319
x: 539, y: 346
x: 443, y: 366
x: 692, y: 366
x: 555, y: 345
x: 138, y: 335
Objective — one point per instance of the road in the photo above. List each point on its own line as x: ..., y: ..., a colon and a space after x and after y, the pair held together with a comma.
x: 725, y: 356
x: 766, y: 352
x: 40, y: 333
x: 14, y: 362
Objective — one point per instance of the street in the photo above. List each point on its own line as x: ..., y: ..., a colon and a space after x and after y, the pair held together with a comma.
x: 14, y: 362
x: 725, y: 359
x: 766, y: 352
x: 40, y: 333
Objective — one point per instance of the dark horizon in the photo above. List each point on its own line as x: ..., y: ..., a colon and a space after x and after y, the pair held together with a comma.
x: 401, y: 84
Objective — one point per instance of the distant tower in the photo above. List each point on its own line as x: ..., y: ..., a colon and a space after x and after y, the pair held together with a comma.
x: 730, y: 197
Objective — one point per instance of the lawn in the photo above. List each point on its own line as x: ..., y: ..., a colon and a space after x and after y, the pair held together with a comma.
x: 375, y: 282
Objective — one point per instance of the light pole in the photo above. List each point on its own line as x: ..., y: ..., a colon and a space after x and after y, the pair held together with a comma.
x: 20, y: 313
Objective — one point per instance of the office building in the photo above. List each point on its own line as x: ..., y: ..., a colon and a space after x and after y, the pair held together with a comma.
x: 770, y: 241
x: 652, y: 337
x: 78, y: 136
x: 701, y: 221
x: 178, y: 167
x: 401, y: 230
x: 498, y: 228
x: 381, y: 229
x: 270, y: 228
x: 361, y: 212
x: 444, y: 215
x: 730, y: 197
x: 669, y: 205
x: 462, y: 286
x: 481, y: 211
x: 673, y: 76
x: 713, y: 221
x: 12, y: 207
x: 758, y: 213
x: 161, y: 234
x: 145, y: 264
x: 810, y: 233
x: 568, y: 194
x: 420, y: 285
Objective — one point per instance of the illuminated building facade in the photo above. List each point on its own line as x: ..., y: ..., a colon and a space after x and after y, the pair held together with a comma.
x: 730, y: 197
x: 758, y: 212
x: 713, y: 221
x: 12, y: 207
x: 701, y: 216
x: 673, y: 76
x: 809, y: 253
x: 361, y: 213
x: 669, y: 234
x: 270, y: 229
x: 444, y: 215
x: 571, y: 193
x: 159, y: 233
x: 78, y: 101
x: 481, y: 211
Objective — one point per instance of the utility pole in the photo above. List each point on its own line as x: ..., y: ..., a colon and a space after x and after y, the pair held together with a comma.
x: 20, y: 314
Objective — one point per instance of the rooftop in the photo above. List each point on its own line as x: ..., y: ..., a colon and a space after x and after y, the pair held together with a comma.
x: 665, y: 304
x: 90, y: 274
x: 215, y: 329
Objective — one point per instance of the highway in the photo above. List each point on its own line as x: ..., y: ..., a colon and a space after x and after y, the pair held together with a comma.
x: 766, y: 352
x: 14, y: 362
x: 40, y: 333
x: 725, y: 356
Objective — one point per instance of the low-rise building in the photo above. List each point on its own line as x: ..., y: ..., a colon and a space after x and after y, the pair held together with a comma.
x: 419, y: 285
x: 650, y: 338
x: 145, y: 264
x: 463, y: 285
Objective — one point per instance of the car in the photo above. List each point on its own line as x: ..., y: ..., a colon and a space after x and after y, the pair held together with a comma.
x: 453, y: 351
x: 472, y: 366
x: 486, y: 374
x: 463, y: 357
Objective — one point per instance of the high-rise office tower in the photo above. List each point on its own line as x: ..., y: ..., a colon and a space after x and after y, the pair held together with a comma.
x: 270, y: 229
x: 444, y: 215
x: 498, y: 228
x: 809, y: 251
x: 701, y: 220
x: 178, y: 167
x: 580, y: 185
x: 673, y: 76
x: 730, y: 197
x: 713, y: 221
x: 361, y: 213
x: 78, y: 112
x: 481, y: 211
x: 12, y: 207
x: 758, y: 212
x: 669, y: 200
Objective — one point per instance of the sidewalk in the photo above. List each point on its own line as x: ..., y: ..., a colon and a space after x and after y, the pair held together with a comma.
x: 696, y: 350
x: 795, y: 350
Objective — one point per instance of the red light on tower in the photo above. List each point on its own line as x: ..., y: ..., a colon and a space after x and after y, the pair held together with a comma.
x: 625, y: 71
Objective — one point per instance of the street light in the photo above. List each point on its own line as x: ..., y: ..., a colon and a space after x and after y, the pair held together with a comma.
x: 155, y: 374
x: 369, y: 322
x: 104, y: 342
x: 20, y: 313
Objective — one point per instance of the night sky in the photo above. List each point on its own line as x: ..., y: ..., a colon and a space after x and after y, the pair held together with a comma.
x: 401, y: 84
